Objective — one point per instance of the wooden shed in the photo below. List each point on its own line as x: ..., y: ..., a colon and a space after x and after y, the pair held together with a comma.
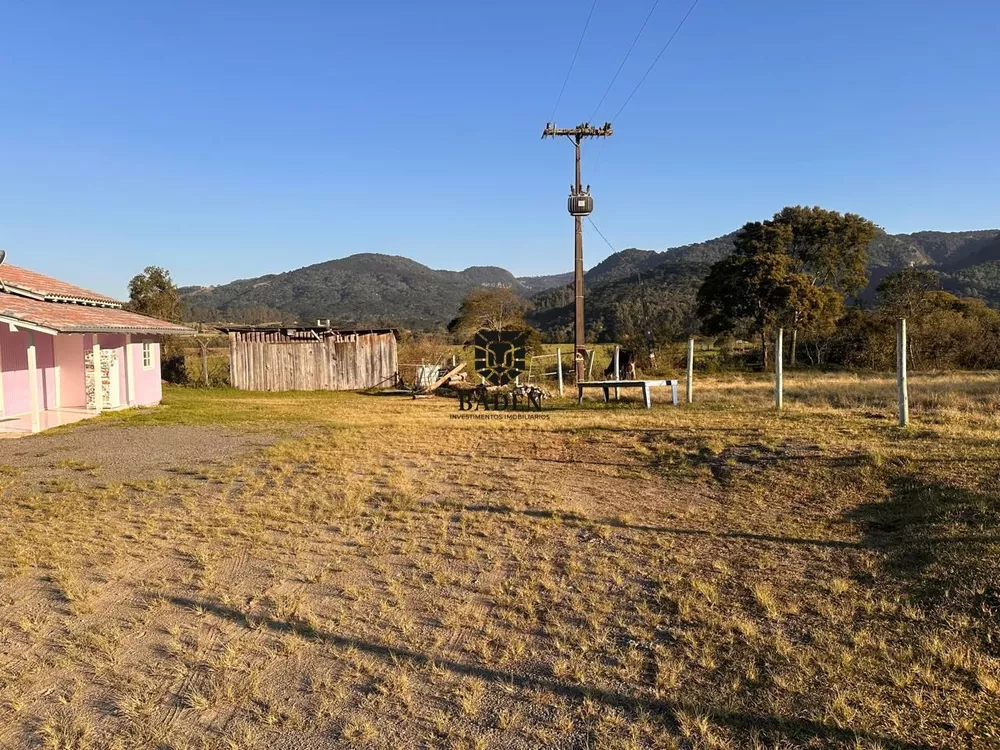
x: 311, y: 358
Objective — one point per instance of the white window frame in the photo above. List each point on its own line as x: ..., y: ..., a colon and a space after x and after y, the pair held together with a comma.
x: 147, y: 355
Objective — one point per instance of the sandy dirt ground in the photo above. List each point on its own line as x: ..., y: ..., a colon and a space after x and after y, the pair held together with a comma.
x: 382, y: 575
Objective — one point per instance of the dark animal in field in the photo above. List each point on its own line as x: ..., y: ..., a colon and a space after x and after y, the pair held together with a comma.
x: 626, y: 366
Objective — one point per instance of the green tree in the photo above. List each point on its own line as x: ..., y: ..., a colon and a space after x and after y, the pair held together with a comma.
x: 831, y: 250
x: 761, y: 286
x: 754, y: 288
x: 154, y: 293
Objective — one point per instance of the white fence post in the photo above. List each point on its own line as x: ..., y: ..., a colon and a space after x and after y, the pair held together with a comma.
x: 559, y: 370
x: 901, y: 383
x: 779, y: 383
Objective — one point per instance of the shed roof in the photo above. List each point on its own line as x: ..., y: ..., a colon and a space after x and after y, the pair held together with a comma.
x: 23, y: 282
x: 306, y: 329
x: 61, y: 317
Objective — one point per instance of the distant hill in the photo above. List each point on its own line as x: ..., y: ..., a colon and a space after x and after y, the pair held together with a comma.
x: 365, y: 289
x: 639, y: 289
x: 541, y: 283
x: 374, y: 289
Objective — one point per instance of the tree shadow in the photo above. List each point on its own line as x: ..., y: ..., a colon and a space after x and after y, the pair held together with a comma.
x: 788, y: 727
x: 941, y: 542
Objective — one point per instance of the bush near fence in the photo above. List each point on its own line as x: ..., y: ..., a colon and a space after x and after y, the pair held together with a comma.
x: 181, y: 362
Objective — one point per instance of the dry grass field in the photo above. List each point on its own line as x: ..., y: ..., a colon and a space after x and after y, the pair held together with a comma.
x: 364, y: 571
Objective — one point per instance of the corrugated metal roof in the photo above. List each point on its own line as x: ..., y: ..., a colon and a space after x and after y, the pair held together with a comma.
x: 20, y: 280
x: 75, y: 318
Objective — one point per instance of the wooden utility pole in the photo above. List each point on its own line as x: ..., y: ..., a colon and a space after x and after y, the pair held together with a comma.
x: 580, y: 205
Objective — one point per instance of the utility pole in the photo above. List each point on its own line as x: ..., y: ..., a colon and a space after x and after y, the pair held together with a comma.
x: 580, y: 204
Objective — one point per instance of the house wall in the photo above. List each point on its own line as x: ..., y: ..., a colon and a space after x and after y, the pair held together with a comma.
x: 148, y: 383
x: 148, y: 389
x: 14, y: 371
x: 45, y: 361
x: 68, y: 350
x: 14, y: 366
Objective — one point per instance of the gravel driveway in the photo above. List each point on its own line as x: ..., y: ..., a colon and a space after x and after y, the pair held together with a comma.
x: 101, y: 454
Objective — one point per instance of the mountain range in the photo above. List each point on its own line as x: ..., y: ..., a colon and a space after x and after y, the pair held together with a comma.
x: 372, y: 289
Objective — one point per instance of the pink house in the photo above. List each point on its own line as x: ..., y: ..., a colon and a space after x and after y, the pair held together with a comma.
x: 67, y: 353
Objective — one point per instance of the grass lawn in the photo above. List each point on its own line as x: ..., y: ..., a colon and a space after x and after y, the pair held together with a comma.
x: 383, y: 575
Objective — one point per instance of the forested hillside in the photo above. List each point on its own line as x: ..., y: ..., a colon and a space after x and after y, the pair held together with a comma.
x: 366, y: 289
x: 635, y: 290
x: 626, y: 291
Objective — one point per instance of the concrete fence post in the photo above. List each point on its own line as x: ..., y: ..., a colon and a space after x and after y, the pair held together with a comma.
x: 779, y: 378
x: 902, y: 386
x: 559, y: 370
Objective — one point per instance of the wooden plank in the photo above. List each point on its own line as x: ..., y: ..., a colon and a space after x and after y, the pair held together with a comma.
x: 252, y: 384
x: 255, y: 370
x: 232, y: 359
x: 238, y: 365
x: 260, y: 361
x: 444, y: 378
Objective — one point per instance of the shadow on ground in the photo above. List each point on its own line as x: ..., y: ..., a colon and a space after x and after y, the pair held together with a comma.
x: 940, y: 543
x: 783, y: 727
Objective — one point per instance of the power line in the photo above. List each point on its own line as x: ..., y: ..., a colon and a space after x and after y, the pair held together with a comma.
x: 625, y: 59
x: 642, y: 289
x: 606, y: 241
x: 573, y: 61
x: 657, y: 59
x: 621, y: 255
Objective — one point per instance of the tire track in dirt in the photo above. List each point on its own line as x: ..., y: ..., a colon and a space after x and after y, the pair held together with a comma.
x: 184, y: 684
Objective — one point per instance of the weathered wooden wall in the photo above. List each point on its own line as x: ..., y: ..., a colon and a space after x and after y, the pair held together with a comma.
x: 367, y: 361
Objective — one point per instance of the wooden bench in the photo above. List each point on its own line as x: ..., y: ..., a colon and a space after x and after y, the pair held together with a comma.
x: 645, y: 385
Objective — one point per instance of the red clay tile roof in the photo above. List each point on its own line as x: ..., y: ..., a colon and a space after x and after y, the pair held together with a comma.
x: 21, y: 279
x: 65, y: 317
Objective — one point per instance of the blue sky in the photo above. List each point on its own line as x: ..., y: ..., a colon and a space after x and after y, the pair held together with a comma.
x: 227, y: 140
